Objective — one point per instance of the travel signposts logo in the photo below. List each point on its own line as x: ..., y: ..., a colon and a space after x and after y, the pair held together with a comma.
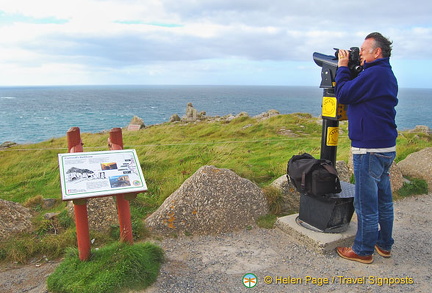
x: 250, y: 280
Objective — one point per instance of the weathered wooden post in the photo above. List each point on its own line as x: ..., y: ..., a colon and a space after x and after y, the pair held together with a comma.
x: 115, y: 142
x: 75, y: 145
x: 97, y: 174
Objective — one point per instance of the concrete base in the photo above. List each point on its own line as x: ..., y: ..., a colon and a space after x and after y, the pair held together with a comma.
x: 321, y: 242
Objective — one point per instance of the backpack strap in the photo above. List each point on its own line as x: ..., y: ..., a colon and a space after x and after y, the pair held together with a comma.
x: 303, y: 181
x: 330, y: 169
x: 333, y: 171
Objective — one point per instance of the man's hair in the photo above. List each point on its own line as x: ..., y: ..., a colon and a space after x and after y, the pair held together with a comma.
x: 381, y: 42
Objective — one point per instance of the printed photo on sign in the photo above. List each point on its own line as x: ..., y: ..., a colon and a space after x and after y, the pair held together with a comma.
x: 109, y: 166
x: 119, y: 181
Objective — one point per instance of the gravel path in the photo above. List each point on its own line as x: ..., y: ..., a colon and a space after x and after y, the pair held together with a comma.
x: 218, y: 263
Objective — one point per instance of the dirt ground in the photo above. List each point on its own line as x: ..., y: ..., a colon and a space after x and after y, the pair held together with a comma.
x: 218, y: 263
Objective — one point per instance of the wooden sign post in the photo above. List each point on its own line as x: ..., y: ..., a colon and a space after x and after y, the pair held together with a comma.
x: 96, y: 174
x: 115, y: 142
x: 80, y: 205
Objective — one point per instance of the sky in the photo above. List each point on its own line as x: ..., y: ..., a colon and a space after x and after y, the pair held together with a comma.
x: 209, y: 42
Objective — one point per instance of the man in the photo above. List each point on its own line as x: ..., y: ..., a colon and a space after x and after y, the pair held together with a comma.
x: 372, y: 97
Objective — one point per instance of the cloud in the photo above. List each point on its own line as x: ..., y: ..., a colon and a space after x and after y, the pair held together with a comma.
x: 139, y: 36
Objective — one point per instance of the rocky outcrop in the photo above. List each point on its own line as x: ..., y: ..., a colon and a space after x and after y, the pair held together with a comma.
x: 192, y: 114
x: 267, y: 115
x: 14, y: 219
x: 174, y: 118
x: 7, y: 144
x: 211, y: 201
x: 421, y: 129
x: 136, y: 123
x: 418, y: 165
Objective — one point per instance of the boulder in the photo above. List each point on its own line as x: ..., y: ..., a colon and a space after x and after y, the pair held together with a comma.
x: 174, y: 118
x: 191, y: 113
x: 396, y: 177
x: 211, y: 201
x: 136, y: 124
x: 14, y: 219
x: 290, y: 202
x: 343, y: 171
x: 418, y: 165
x: 48, y: 203
x: 101, y: 212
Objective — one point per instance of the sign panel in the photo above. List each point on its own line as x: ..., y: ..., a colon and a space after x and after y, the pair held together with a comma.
x: 329, y: 106
x: 93, y: 174
x: 332, y: 136
x: 333, y: 110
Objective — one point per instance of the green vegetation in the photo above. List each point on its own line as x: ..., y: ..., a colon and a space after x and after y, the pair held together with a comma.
x: 414, y: 186
x: 267, y: 221
x: 169, y: 153
x: 113, y: 268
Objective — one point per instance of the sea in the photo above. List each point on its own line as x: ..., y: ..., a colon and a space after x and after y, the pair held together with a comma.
x: 31, y: 114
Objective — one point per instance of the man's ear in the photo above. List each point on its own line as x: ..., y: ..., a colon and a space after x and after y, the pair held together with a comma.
x: 378, y: 53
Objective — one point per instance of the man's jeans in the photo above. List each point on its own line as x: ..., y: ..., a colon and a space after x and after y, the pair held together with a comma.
x: 373, y: 202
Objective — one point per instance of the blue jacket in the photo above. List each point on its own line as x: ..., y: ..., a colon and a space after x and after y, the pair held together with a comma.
x: 372, y: 97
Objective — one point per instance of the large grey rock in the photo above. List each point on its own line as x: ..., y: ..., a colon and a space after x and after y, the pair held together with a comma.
x: 174, y: 118
x: 418, y: 165
x: 136, y: 123
x: 396, y: 177
x: 211, y: 201
x: 290, y: 201
x: 343, y: 171
x: 192, y: 114
x: 14, y: 218
x: 101, y: 212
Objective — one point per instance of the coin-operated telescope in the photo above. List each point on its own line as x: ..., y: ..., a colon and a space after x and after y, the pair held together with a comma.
x: 331, y: 212
x: 329, y: 66
x: 332, y: 111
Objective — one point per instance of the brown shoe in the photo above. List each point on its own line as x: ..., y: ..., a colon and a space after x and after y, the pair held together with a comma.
x: 348, y: 253
x: 382, y: 252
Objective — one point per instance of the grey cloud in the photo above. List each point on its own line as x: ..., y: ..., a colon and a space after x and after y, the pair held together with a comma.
x: 306, y: 13
x: 299, y: 28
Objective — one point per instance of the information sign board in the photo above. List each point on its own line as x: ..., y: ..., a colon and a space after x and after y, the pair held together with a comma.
x: 94, y: 174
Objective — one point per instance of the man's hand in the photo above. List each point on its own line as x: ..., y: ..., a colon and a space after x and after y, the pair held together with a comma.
x: 343, y: 58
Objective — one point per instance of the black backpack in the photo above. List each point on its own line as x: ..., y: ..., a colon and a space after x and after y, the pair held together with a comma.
x: 312, y: 176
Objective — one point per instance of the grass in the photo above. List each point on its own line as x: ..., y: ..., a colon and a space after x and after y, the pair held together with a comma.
x: 169, y: 153
x: 113, y: 268
x: 267, y: 221
x: 414, y: 186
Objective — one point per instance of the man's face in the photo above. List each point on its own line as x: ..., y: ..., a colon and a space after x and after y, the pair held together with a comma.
x: 367, y: 51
